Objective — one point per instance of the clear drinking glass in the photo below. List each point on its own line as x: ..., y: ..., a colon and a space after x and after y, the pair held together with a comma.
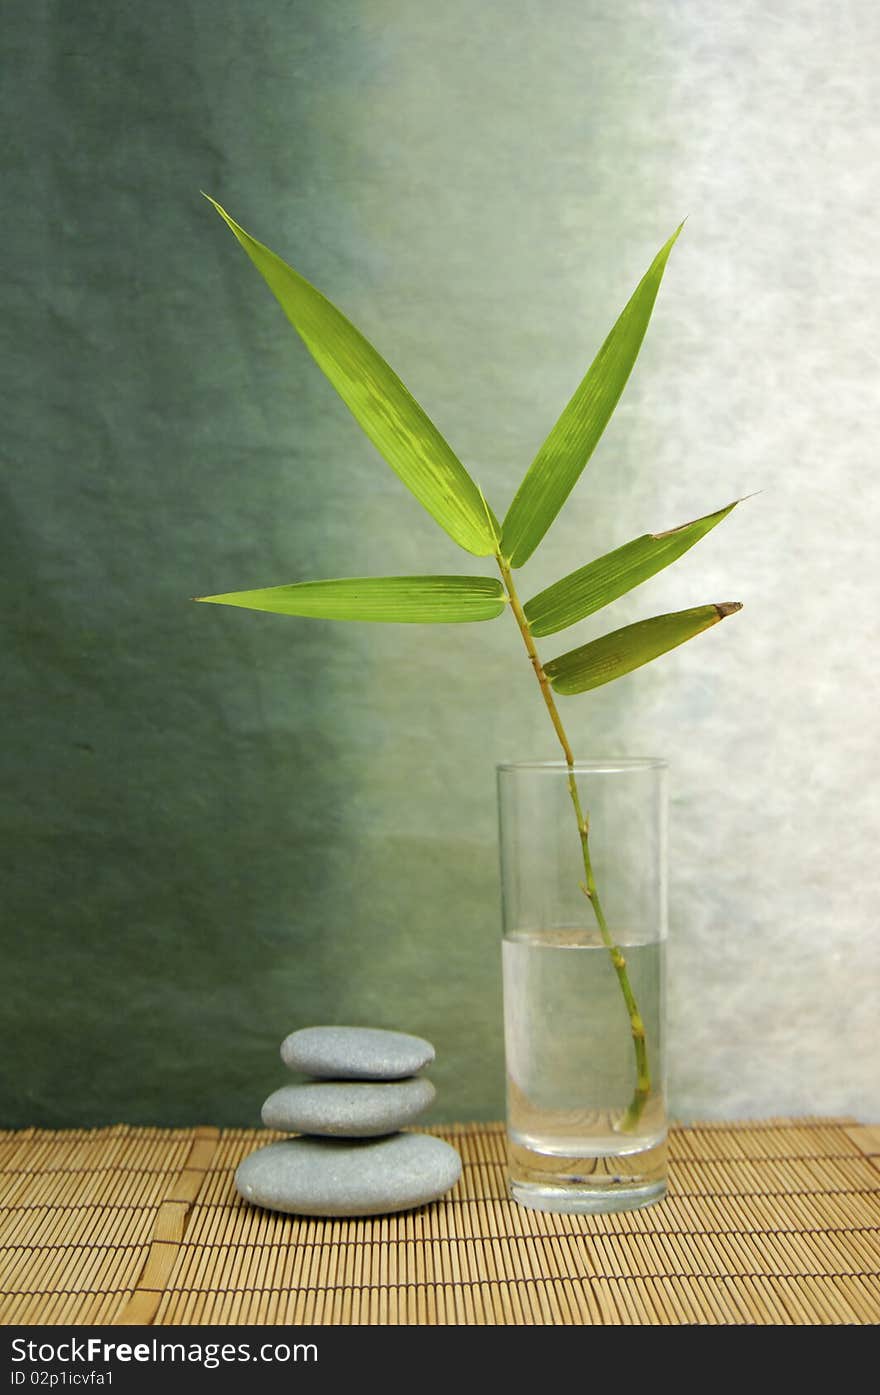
x: 584, y: 1000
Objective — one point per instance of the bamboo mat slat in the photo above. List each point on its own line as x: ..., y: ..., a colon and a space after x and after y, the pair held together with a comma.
x: 773, y: 1222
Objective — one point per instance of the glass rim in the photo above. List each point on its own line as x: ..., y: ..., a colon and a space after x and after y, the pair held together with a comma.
x: 611, y: 766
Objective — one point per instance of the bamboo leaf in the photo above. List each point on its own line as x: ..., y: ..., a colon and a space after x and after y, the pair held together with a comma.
x: 599, y: 583
x: 619, y: 653
x: 395, y: 599
x: 395, y: 423
x: 561, y: 459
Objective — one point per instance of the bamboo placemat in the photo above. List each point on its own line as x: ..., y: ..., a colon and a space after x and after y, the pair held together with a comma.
x: 774, y: 1222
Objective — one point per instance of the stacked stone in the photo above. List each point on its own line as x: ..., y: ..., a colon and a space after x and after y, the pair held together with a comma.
x: 350, y: 1158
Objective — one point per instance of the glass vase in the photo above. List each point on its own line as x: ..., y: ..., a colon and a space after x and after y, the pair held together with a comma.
x: 583, y: 874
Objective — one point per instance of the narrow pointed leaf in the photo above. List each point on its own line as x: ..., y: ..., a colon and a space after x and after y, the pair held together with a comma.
x: 599, y: 583
x: 395, y: 599
x: 395, y: 423
x: 558, y: 464
x: 619, y: 653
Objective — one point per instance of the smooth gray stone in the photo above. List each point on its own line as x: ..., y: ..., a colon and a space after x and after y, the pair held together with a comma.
x: 360, y: 1177
x: 348, y: 1109
x: 355, y: 1053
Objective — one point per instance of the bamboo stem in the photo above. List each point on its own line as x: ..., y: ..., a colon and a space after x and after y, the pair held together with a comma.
x: 642, y: 1089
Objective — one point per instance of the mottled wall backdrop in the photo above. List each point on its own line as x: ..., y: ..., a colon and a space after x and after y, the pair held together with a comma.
x: 217, y: 825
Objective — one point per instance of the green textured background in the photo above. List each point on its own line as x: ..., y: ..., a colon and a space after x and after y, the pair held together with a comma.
x: 227, y: 825
x: 218, y: 825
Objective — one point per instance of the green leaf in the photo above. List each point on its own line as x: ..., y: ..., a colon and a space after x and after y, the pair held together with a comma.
x: 558, y: 464
x: 619, y: 653
x: 378, y: 400
x: 398, y: 599
x: 599, y: 583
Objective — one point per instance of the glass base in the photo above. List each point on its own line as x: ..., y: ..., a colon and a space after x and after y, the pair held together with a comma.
x: 585, y: 1200
x: 587, y: 1185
